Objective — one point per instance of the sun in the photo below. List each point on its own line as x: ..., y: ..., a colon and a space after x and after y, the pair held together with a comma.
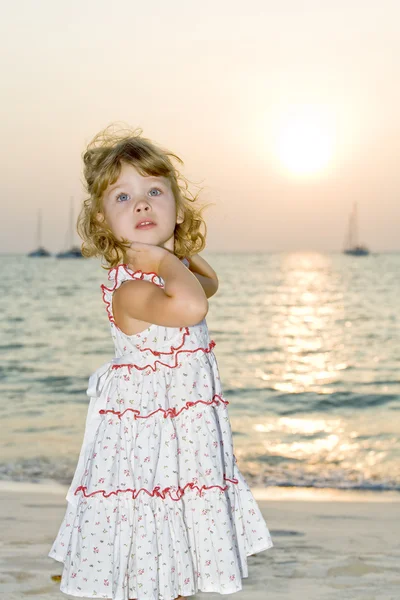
x: 305, y: 142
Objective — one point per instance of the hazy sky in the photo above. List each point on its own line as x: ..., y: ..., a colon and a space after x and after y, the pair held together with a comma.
x: 217, y: 82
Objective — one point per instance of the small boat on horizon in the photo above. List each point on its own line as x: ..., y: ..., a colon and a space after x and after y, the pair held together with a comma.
x: 40, y: 251
x: 351, y: 244
x: 73, y: 251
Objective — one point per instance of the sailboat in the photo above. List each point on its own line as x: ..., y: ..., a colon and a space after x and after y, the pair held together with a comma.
x: 40, y: 250
x: 351, y: 245
x: 72, y: 251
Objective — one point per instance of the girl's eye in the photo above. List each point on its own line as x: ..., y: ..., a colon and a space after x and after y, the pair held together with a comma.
x: 155, y: 190
x: 120, y: 197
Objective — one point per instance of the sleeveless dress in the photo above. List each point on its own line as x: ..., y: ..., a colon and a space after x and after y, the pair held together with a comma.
x: 157, y: 507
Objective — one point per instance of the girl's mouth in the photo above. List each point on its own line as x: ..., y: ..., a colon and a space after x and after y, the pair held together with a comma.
x: 148, y: 226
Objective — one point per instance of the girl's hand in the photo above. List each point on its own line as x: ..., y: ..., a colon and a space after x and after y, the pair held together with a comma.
x: 146, y: 257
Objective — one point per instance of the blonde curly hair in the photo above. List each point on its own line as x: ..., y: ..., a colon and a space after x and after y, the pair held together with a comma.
x: 103, y: 159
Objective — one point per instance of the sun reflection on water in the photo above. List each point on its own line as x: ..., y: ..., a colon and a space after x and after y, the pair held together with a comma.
x: 304, y: 326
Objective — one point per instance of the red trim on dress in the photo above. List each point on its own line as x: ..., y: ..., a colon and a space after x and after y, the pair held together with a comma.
x: 156, y: 491
x: 170, y: 412
x: 130, y: 365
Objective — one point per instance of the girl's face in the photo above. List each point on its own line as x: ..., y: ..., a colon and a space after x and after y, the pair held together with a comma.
x: 134, y: 198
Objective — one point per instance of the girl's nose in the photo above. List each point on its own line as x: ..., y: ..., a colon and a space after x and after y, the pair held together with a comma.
x: 142, y: 205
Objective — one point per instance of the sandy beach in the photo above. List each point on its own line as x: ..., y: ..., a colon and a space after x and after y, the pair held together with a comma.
x: 328, y: 544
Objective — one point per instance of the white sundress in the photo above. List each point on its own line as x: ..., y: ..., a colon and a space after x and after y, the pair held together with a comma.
x: 157, y: 507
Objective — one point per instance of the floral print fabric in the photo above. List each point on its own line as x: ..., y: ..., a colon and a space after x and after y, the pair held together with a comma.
x: 157, y: 507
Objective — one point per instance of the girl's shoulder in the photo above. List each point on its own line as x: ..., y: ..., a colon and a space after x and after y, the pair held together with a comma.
x: 117, y: 275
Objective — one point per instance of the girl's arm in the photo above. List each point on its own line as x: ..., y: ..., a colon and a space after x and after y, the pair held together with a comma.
x: 204, y: 273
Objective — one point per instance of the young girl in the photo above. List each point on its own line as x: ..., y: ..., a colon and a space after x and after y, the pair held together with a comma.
x: 157, y: 508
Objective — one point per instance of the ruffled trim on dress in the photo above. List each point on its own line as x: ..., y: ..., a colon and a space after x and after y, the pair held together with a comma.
x: 173, y: 354
x: 157, y: 491
x: 169, y: 412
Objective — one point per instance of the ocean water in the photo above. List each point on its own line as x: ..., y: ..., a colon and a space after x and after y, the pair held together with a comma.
x: 307, y: 346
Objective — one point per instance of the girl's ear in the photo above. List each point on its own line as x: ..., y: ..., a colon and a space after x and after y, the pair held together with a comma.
x: 100, y: 217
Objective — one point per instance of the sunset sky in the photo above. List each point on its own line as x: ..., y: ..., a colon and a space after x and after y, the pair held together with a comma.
x: 284, y: 112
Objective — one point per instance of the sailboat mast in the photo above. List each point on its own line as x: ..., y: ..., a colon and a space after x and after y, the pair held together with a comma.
x: 349, y: 233
x: 39, y: 229
x: 354, y: 248
x: 355, y: 226
x: 351, y: 229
